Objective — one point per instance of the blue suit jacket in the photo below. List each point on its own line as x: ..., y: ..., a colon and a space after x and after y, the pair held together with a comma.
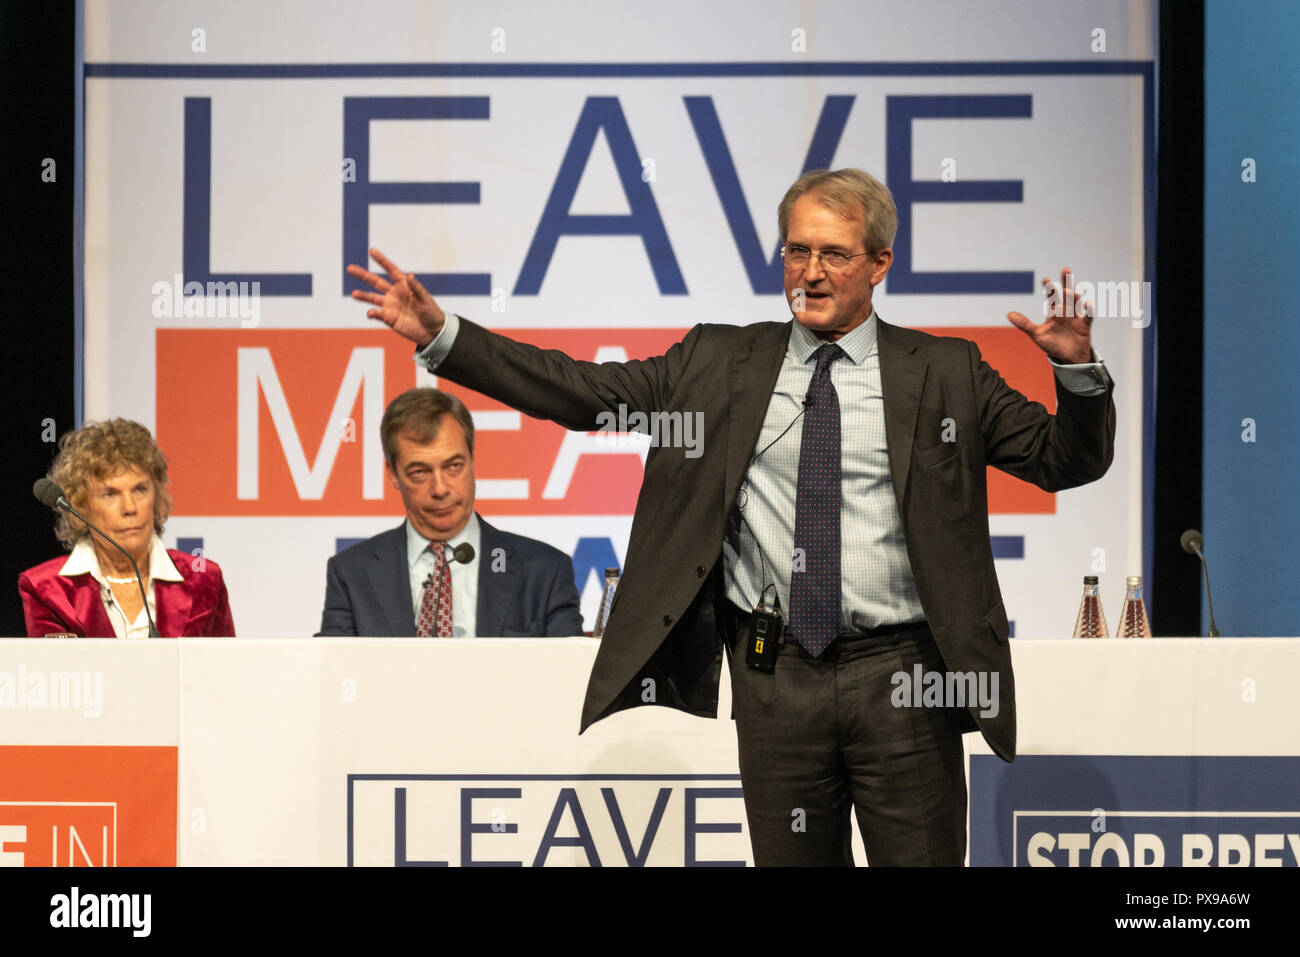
x: 368, y: 589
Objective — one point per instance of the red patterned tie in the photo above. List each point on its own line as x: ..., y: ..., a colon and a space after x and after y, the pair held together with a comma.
x: 435, y: 606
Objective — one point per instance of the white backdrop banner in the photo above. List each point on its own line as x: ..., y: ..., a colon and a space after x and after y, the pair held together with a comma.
x: 593, y: 181
x: 396, y: 751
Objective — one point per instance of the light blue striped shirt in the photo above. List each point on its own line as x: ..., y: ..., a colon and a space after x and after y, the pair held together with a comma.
x: 878, y: 588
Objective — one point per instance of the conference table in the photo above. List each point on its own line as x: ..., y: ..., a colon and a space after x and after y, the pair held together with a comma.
x: 410, y: 752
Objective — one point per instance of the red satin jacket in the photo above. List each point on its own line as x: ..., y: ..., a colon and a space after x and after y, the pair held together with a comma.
x: 197, y: 607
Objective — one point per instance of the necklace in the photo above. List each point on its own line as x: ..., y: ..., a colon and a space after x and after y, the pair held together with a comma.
x: 120, y: 581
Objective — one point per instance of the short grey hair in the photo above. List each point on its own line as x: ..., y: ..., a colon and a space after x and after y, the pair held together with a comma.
x: 419, y: 413
x: 854, y: 194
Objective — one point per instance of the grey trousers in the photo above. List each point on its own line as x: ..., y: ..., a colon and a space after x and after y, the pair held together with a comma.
x: 820, y: 736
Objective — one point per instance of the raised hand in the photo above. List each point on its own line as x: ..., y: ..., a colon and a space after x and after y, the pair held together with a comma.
x: 1065, y: 334
x: 401, y: 302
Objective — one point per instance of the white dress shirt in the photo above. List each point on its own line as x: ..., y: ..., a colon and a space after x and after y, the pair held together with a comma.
x: 85, y: 561
x: 464, y: 578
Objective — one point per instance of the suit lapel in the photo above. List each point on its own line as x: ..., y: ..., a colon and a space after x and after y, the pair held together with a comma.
x: 174, y: 604
x: 392, y: 589
x: 754, y: 369
x: 88, y: 608
x: 902, y: 378
x: 496, y: 589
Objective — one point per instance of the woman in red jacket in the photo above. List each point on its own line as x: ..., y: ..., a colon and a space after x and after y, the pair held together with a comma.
x: 114, y: 473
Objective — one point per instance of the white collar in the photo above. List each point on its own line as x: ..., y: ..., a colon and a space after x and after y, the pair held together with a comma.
x: 84, y: 561
x: 417, y: 543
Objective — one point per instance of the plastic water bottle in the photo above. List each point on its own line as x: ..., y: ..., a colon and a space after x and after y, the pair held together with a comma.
x: 1133, y: 622
x: 606, y: 602
x: 1091, y: 622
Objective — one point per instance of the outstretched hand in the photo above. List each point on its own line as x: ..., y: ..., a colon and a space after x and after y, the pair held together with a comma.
x: 402, y: 303
x: 1065, y: 333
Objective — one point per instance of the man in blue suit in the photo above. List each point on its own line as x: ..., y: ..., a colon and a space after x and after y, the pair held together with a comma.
x: 420, y: 578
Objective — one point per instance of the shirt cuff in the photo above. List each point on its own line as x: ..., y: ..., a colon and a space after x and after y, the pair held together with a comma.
x: 1083, y: 378
x: 431, y: 356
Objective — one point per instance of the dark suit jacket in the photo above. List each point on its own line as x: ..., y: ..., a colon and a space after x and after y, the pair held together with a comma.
x: 368, y: 589
x: 665, y: 626
x: 197, y: 607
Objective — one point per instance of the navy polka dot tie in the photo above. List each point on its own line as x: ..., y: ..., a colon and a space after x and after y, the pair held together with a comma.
x: 815, y: 573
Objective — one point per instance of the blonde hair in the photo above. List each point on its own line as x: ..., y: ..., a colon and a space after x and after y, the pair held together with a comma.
x: 854, y: 194
x: 98, y: 451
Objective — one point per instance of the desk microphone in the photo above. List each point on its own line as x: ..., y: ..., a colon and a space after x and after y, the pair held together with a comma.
x: 1192, y: 543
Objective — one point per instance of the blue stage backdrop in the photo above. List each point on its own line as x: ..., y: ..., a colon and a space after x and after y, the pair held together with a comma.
x: 1252, y: 243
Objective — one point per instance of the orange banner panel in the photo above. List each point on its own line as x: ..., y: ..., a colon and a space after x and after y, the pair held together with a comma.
x: 88, y: 806
x: 274, y: 422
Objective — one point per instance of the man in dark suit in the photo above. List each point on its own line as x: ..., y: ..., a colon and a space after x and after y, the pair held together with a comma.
x: 444, y: 572
x: 877, y: 547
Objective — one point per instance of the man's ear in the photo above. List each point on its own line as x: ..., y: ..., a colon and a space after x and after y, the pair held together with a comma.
x: 392, y: 475
x: 880, y: 264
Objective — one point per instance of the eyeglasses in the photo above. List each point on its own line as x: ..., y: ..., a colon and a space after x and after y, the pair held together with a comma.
x: 796, y: 257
